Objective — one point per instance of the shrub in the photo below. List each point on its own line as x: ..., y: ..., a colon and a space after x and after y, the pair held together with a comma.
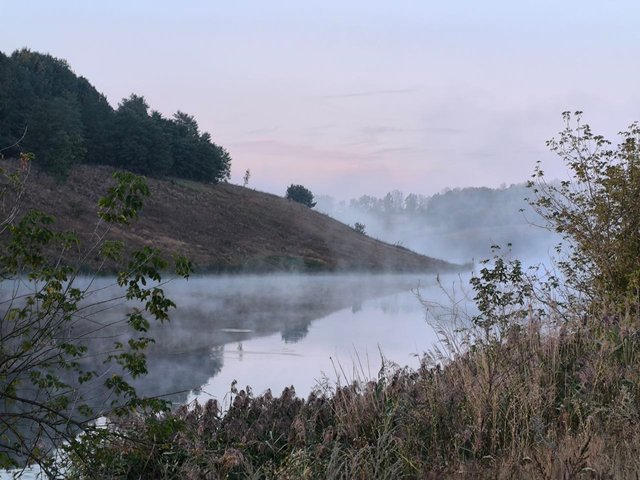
x: 300, y: 194
x: 48, y: 370
x: 597, y: 210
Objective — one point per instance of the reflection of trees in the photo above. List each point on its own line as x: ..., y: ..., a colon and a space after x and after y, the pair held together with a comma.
x: 217, y: 308
x: 171, y: 375
x: 175, y: 374
x: 390, y: 306
x: 212, y: 313
x: 295, y: 333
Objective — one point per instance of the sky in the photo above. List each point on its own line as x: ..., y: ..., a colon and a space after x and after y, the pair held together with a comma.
x: 357, y: 97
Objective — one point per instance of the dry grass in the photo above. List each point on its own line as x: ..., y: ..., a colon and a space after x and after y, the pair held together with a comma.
x: 563, y: 404
x: 222, y: 227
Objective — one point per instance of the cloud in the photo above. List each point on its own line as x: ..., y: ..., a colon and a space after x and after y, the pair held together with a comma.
x: 394, y: 150
x: 294, y: 151
x: 303, y: 152
x: 372, y: 93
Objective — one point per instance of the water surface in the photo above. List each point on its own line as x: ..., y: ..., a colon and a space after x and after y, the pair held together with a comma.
x: 306, y: 331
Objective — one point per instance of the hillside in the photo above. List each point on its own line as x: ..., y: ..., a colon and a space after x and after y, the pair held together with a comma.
x: 222, y: 226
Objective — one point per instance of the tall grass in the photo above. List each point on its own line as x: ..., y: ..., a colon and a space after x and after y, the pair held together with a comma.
x: 537, y: 402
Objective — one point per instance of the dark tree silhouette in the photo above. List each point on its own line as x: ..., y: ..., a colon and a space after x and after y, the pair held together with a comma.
x: 300, y: 194
x: 68, y: 121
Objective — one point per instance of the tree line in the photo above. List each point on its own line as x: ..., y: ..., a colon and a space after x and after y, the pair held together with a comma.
x: 471, y: 206
x: 48, y: 110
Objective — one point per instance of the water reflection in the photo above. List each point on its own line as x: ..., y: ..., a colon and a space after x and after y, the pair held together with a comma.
x: 275, y: 331
x: 382, y: 317
x: 264, y: 331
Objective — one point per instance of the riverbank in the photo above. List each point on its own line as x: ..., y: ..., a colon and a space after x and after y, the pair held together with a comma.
x: 539, y: 403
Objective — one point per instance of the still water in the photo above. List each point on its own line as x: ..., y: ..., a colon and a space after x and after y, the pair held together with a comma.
x: 269, y: 332
x: 346, y: 345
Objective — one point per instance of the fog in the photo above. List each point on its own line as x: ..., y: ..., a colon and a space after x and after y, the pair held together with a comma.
x: 271, y: 331
x: 268, y: 332
x: 254, y: 329
x: 458, y: 225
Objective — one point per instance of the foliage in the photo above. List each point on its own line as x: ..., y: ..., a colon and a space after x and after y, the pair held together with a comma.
x: 137, y: 140
x: 535, y: 406
x: 56, y: 133
x: 68, y: 121
x: 597, y: 210
x: 503, y: 294
x: 359, y: 227
x: 49, y: 377
x: 300, y: 194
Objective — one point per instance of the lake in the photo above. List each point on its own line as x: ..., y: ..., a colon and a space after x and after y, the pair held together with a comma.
x: 272, y: 331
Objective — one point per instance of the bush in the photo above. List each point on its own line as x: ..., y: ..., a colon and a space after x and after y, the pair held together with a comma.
x: 597, y: 210
x: 50, y: 376
x: 360, y: 228
x: 300, y: 194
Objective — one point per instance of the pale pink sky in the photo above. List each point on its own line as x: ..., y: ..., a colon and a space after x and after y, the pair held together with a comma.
x: 357, y: 97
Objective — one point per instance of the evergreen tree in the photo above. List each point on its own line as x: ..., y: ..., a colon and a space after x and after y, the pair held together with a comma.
x: 56, y: 134
x: 300, y: 194
x: 98, y: 120
x: 63, y: 119
x: 139, y: 144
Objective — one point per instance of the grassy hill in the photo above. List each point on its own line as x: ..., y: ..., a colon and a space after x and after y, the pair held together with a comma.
x: 223, y: 227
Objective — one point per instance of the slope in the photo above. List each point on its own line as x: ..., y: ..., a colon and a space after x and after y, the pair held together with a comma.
x: 223, y: 227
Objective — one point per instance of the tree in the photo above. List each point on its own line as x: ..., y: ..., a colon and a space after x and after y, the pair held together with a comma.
x: 138, y: 142
x: 98, y: 122
x: 68, y: 121
x: 48, y: 371
x: 56, y: 134
x: 195, y: 156
x: 300, y: 194
x: 597, y: 211
x: 360, y: 228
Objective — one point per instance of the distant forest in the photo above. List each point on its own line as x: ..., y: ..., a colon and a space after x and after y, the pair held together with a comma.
x: 60, y: 117
x: 456, y: 224
x: 471, y: 207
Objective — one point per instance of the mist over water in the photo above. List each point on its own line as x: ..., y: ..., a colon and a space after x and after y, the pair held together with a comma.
x: 273, y: 331
x: 269, y: 332
x: 459, y: 225
x: 345, y: 345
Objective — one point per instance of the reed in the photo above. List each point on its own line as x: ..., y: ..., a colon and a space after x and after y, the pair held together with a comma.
x: 539, y: 402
